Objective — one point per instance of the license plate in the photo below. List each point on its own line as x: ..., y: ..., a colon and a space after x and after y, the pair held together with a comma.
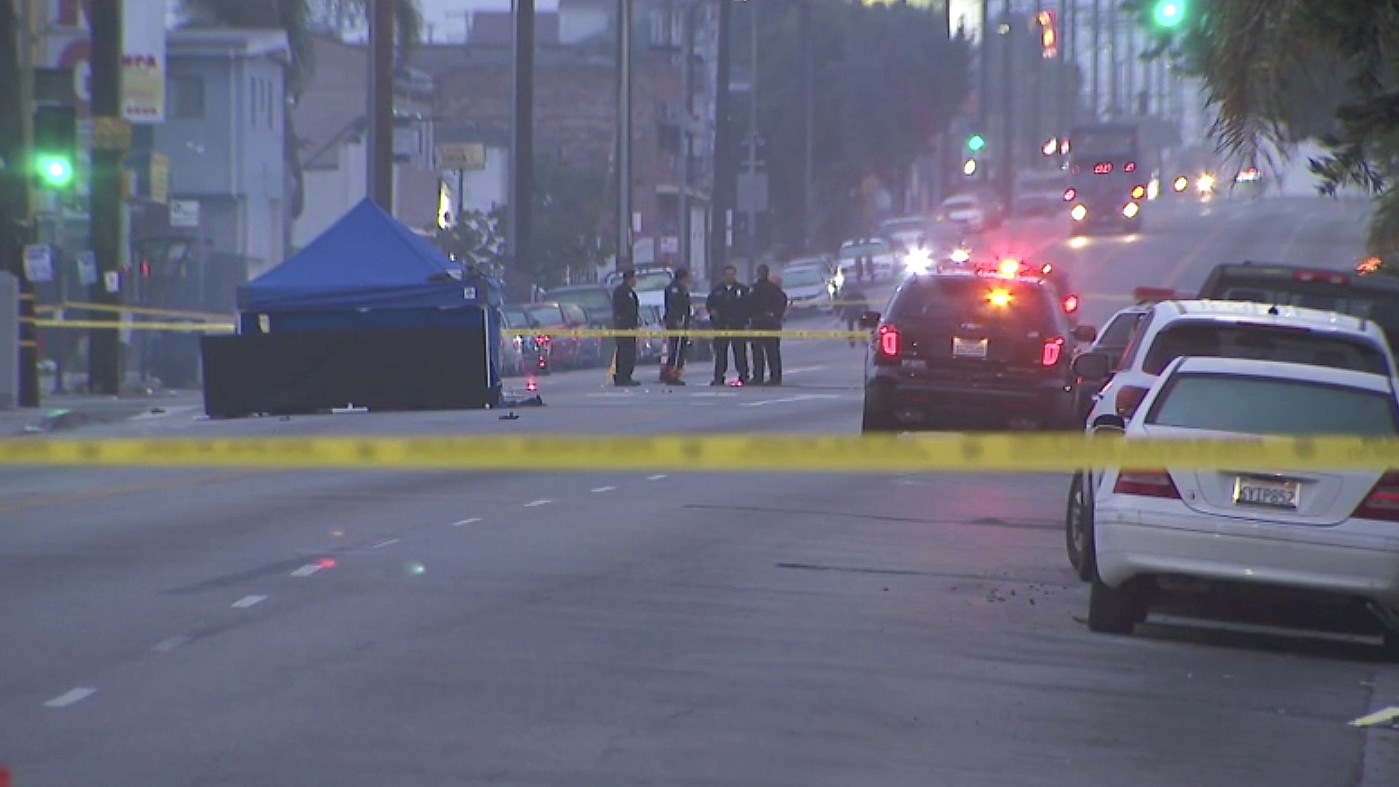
x: 969, y: 348
x: 1266, y: 493
x: 913, y: 364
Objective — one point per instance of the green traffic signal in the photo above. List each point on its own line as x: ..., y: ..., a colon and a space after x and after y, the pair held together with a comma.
x: 1168, y: 13
x: 55, y: 172
x: 975, y: 143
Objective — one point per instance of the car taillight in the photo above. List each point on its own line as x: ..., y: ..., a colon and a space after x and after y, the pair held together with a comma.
x: 543, y: 339
x: 1128, y: 397
x: 1146, y: 483
x: 1070, y: 304
x: 1051, y: 350
x: 1326, y: 277
x: 1069, y: 194
x: 888, y: 341
x: 1383, y: 500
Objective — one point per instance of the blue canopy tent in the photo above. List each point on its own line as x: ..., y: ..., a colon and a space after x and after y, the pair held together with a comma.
x: 367, y: 281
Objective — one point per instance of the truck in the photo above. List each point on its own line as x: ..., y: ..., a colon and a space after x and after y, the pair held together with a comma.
x: 1109, y: 178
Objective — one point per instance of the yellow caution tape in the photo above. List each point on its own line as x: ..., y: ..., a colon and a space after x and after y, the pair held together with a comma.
x: 999, y: 452
x: 692, y: 333
x: 142, y: 310
x: 204, y: 327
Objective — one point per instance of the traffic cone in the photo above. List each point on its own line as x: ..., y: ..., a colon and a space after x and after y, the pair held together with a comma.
x: 611, y: 377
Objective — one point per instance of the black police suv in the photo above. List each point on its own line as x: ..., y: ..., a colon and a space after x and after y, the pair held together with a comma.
x: 958, y: 350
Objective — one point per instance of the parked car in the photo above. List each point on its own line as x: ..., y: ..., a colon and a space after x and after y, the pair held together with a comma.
x: 903, y: 232
x: 651, y: 281
x: 1214, y: 329
x: 974, y: 210
x: 521, y: 353
x: 1304, y: 533
x: 566, y: 351
x: 874, y: 255
x: 807, y: 284
x: 649, y: 350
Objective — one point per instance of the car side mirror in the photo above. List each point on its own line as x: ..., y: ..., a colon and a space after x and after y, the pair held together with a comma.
x: 1093, y: 366
x: 870, y: 320
x: 1085, y: 333
x: 1110, y: 422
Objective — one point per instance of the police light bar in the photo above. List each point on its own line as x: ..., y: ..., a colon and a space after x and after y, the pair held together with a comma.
x: 1144, y: 295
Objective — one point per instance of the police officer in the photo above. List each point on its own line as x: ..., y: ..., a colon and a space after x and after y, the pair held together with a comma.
x: 728, y: 311
x: 626, y: 315
x: 852, y: 306
x: 677, y: 317
x: 768, y: 307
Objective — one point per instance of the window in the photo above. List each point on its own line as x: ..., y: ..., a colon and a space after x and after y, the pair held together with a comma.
x: 187, y: 95
x: 1262, y: 343
x: 1264, y: 405
x: 952, y: 301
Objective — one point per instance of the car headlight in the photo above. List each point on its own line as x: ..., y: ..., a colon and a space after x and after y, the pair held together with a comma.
x: 960, y: 254
x: 918, y: 260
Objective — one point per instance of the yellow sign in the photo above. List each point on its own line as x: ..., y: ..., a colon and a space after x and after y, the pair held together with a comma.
x: 993, y: 452
x: 111, y: 133
x: 461, y: 156
x: 160, y: 178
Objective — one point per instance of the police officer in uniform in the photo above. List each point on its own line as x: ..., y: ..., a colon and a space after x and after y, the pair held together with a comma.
x: 768, y: 305
x: 626, y: 315
x: 728, y: 311
x: 677, y: 317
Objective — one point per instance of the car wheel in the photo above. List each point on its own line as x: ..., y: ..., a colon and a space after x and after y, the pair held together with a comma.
x: 1114, y: 610
x: 876, y: 421
x: 1078, y: 528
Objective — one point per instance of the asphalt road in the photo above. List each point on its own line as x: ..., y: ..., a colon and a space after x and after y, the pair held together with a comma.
x: 212, y: 627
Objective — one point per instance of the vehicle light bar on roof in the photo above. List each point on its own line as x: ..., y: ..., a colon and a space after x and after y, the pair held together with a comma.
x: 1326, y: 277
x: 1144, y: 295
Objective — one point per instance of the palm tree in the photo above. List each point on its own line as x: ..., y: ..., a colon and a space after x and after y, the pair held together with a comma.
x: 301, y: 20
x: 1270, y: 66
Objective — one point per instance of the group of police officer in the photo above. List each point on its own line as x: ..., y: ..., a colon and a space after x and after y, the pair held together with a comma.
x: 732, y: 306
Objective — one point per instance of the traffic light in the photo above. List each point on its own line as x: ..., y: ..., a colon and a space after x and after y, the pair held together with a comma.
x: 1049, y: 35
x: 975, y: 143
x: 55, y: 146
x: 1168, y: 14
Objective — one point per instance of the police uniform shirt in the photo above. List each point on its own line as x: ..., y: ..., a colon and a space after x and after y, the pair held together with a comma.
x: 677, y: 304
x: 626, y: 307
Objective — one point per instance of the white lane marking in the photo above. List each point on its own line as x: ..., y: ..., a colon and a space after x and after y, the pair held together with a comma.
x: 800, y: 369
x: 716, y: 394
x: 248, y: 601
x: 656, y: 477
x: 468, y: 521
x: 610, y: 394
x: 789, y: 399
x: 306, y: 570
x: 68, y: 698
x: 538, y: 503
x: 169, y: 643
x: 386, y: 543
x: 606, y: 489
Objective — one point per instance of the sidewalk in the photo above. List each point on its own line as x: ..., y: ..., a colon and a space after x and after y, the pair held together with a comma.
x: 64, y: 412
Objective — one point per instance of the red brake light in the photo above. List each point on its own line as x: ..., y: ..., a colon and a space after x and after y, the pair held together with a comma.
x: 1128, y: 398
x: 1069, y: 194
x: 1146, y: 483
x: 1050, y: 352
x: 1383, y: 500
x: 1130, y: 167
x: 888, y: 341
x: 1070, y: 304
x: 1326, y: 277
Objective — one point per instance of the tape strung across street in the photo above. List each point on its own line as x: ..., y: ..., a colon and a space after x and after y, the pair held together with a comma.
x: 581, y: 333
x: 1001, y: 452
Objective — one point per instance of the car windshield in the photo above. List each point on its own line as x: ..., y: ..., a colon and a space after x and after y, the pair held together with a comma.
x: 1269, y: 405
x: 545, y: 315
x: 802, y: 277
x: 862, y: 250
x: 1264, y: 343
x: 902, y: 225
x: 959, y: 203
x: 652, y: 281
x: 592, y: 299
x: 1004, y: 307
x: 514, y: 317
x: 1118, y: 332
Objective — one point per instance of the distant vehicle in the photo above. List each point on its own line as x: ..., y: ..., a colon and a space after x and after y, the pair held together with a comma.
x: 569, y: 351
x: 872, y: 255
x: 940, y: 243
x: 521, y: 353
x: 807, y: 286
x: 648, y: 350
x: 1211, y: 329
x: 651, y: 281
x: 1108, y: 180
x: 903, y: 232
x: 1373, y: 297
x: 974, y: 211
x: 958, y: 348
x: 1296, y: 534
x: 1039, y: 195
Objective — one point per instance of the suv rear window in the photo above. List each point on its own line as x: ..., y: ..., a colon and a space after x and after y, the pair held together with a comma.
x: 952, y: 301
x: 1263, y: 343
x: 1268, y: 405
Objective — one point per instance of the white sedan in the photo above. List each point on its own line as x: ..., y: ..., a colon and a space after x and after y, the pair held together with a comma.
x: 1334, y: 533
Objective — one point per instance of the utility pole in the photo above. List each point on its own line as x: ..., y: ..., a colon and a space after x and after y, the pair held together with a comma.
x: 808, y: 124
x: 381, y: 79
x: 625, y: 241
x: 1115, y: 65
x: 111, y: 136
x: 687, y: 90
x: 1008, y: 142
x: 16, y: 196
x: 520, y: 228
x: 753, y: 142
x: 721, y: 199
x: 1097, y: 56
x: 1063, y: 102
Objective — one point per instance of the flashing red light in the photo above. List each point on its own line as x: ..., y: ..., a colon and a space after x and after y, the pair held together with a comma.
x: 888, y: 341
x: 1070, y: 304
x: 1326, y: 277
x: 1130, y: 166
x: 1069, y: 194
x: 1050, y: 352
x: 531, y: 385
x: 1146, y: 483
x: 326, y: 562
